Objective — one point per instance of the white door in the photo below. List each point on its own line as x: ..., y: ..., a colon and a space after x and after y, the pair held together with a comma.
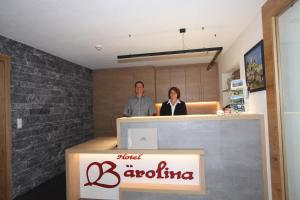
x: 289, y: 85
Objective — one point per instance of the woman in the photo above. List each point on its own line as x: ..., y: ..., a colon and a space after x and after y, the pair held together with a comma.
x: 173, y: 106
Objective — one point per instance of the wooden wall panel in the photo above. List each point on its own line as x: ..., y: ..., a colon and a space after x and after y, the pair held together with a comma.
x: 113, y: 87
x: 177, y: 75
x: 122, y: 89
x: 5, y: 130
x: 2, y: 131
x: 194, y: 86
x: 163, y: 84
x: 102, y: 101
x: 210, y: 84
x: 122, y: 86
x: 271, y: 10
x: 192, y: 81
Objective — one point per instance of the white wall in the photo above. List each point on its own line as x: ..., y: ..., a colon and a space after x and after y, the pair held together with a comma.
x: 234, y: 58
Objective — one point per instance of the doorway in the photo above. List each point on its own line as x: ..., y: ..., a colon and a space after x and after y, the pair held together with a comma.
x: 288, y: 45
x: 5, y: 133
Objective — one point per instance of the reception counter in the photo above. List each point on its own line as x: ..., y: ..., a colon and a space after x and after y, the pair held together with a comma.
x: 72, y: 162
x: 97, y: 170
x: 195, y: 157
x: 235, y: 159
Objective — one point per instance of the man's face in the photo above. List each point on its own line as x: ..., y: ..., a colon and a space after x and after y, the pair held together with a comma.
x: 139, y: 90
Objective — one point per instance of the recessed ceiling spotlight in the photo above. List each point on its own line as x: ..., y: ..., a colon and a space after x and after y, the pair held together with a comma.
x: 98, y: 47
x: 182, y: 30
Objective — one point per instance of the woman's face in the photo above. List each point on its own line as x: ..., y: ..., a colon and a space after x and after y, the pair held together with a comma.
x: 173, y: 95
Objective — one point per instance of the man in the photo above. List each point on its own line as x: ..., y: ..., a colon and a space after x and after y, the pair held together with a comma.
x: 139, y: 105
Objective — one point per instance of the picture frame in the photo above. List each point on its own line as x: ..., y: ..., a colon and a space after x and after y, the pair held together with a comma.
x: 255, y: 68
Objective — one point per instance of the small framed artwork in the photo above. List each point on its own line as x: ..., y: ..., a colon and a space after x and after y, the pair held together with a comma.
x: 255, y: 68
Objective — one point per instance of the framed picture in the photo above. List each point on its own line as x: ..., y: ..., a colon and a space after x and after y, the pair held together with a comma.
x: 255, y: 68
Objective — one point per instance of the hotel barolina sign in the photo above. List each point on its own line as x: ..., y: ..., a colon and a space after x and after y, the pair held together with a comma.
x: 101, y: 175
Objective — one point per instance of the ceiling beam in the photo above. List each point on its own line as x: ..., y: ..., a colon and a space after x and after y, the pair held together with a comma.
x: 212, y: 62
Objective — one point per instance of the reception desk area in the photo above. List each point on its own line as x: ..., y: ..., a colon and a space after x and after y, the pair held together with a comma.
x: 232, y: 153
x: 71, y: 73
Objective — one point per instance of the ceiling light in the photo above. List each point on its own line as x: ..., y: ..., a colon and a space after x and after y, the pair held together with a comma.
x: 98, y: 47
x: 135, y: 57
x: 215, y: 51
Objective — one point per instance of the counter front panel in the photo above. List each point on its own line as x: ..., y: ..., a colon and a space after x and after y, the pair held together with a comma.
x: 234, y: 153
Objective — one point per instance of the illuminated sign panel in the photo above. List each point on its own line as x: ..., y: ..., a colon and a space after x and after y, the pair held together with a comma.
x: 102, y: 174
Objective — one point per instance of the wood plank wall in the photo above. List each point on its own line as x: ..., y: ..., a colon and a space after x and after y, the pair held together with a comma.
x: 196, y: 84
x: 112, y: 87
x: 271, y: 10
x: 5, y: 130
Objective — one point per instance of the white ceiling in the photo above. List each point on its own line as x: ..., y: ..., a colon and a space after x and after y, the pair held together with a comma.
x: 70, y: 29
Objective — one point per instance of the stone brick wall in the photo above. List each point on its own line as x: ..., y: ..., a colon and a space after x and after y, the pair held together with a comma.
x: 54, y: 99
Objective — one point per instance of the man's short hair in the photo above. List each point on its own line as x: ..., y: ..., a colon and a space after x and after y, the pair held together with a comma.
x: 141, y: 82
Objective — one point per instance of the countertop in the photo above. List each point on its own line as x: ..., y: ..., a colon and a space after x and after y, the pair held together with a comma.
x: 235, y: 116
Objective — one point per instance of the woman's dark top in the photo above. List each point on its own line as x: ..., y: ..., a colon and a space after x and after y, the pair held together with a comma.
x: 166, y: 109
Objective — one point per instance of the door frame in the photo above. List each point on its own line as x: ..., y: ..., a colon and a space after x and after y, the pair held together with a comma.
x: 7, y: 179
x: 271, y: 10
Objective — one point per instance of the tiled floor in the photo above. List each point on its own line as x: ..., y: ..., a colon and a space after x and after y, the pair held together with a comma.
x: 54, y: 189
